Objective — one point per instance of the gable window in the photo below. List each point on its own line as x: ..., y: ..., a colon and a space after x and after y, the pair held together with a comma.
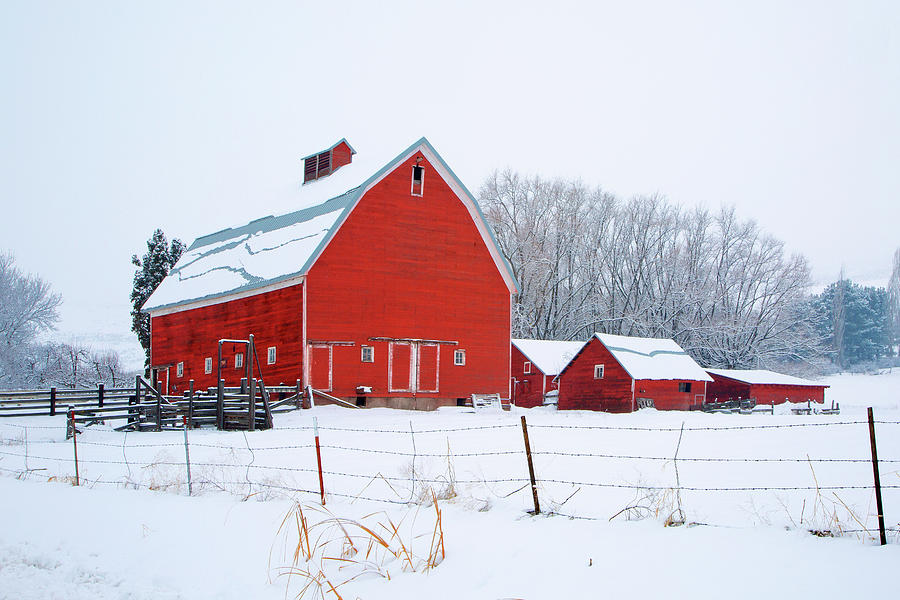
x: 527, y: 368
x: 368, y: 354
x: 684, y: 386
x: 207, y: 365
x: 179, y: 370
x: 418, y: 180
x: 271, y: 355
x: 598, y: 371
x: 316, y: 166
x: 459, y: 357
x: 238, y: 360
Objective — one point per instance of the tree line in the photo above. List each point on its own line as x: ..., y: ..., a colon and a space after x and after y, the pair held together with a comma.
x: 588, y: 261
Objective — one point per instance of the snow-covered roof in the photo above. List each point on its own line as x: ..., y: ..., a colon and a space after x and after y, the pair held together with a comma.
x: 548, y: 355
x: 652, y: 358
x: 762, y: 377
x: 272, y: 250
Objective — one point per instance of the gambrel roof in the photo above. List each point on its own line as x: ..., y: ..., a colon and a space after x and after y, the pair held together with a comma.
x: 274, y: 251
x: 549, y: 356
x: 650, y: 358
x: 762, y: 377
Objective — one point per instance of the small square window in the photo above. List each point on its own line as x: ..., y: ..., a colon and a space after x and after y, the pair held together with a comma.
x: 598, y: 371
x: 207, y: 365
x: 179, y: 370
x: 271, y: 357
x: 238, y: 360
x: 684, y: 386
x: 527, y: 368
x: 368, y: 354
x: 459, y: 357
x: 418, y: 180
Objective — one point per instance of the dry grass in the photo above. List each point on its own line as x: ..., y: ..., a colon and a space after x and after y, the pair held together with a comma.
x: 327, y: 551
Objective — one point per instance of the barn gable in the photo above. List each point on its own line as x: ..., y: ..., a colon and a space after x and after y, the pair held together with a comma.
x: 272, y: 252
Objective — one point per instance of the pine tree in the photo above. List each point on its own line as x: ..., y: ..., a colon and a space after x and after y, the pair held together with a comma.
x: 151, y: 270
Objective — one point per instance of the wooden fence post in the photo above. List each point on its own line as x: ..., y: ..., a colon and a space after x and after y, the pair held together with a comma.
x: 70, y: 416
x: 100, y: 388
x: 52, y: 401
x: 251, y: 404
x: 191, y: 404
x: 187, y: 455
x: 319, y: 460
x: 534, y: 492
x: 878, y: 504
x: 158, y: 412
x: 220, y: 405
x: 298, y: 401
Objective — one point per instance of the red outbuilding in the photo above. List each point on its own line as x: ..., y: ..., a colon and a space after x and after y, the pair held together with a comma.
x: 393, y: 293
x: 616, y: 373
x: 535, y: 365
x: 766, y: 387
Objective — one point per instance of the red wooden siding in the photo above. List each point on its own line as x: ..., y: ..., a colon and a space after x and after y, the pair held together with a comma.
x: 580, y: 391
x: 192, y: 335
x: 340, y: 156
x: 665, y: 394
x: 530, y: 388
x: 724, y: 388
x: 408, y: 267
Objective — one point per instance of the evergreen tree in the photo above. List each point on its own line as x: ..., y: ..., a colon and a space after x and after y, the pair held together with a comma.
x: 151, y: 270
x: 854, y: 321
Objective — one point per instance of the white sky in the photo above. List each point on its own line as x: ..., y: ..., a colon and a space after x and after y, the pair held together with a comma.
x: 117, y: 118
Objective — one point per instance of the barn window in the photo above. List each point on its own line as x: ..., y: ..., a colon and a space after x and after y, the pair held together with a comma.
x: 368, y: 354
x: 527, y: 368
x: 684, y: 386
x: 238, y: 360
x: 418, y: 180
x: 271, y: 355
x: 179, y: 370
x: 459, y: 357
x: 598, y: 371
x: 207, y: 365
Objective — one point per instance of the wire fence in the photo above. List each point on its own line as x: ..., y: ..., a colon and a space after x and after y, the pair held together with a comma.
x: 582, y: 471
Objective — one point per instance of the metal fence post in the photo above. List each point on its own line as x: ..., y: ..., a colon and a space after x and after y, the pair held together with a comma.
x: 70, y: 416
x: 878, y: 504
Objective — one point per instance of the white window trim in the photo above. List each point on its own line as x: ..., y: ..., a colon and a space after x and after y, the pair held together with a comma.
x: 599, y: 369
x: 238, y: 360
x: 179, y: 369
x: 526, y: 368
x: 371, y: 352
x: 271, y: 355
x: 412, y: 184
x: 459, y: 357
x: 207, y: 365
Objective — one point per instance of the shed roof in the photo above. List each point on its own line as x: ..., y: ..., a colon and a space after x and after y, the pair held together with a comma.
x: 549, y: 356
x: 763, y: 377
x: 650, y: 358
x: 273, y: 250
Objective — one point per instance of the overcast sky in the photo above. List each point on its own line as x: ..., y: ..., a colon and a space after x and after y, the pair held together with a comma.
x: 120, y: 117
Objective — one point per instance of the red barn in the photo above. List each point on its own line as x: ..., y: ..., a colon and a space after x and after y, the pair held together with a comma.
x: 766, y: 387
x: 615, y: 373
x: 535, y: 365
x: 393, y: 293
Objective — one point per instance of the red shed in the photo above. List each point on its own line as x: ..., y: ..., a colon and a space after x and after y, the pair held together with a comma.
x: 616, y: 373
x: 393, y: 293
x: 535, y: 365
x: 766, y: 387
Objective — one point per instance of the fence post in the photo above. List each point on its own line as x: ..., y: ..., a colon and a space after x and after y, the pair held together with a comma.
x: 298, y: 402
x: 158, y: 412
x: 70, y: 416
x: 100, y: 388
x: 191, y: 404
x: 220, y: 405
x: 187, y: 455
x: 52, y: 401
x: 534, y: 492
x: 878, y: 504
x: 319, y: 460
x: 412, y: 434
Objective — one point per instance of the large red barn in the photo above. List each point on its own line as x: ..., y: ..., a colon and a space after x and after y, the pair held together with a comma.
x: 766, y: 387
x: 535, y: 365
x: 616, y: 373
x: 393, y: 293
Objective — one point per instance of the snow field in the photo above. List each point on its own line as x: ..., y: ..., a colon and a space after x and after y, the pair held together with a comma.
x: 112, y: 542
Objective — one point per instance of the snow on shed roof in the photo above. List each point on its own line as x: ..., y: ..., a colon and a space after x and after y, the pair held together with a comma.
x: 763, y: 377
x: 652, y: 358
x: 274, y: 250
x: 549, y: 356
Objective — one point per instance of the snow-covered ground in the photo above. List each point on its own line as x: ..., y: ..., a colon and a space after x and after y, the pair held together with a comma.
x: 130, y: 531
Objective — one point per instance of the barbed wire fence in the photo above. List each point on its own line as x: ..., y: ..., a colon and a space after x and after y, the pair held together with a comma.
x: 405, y: 466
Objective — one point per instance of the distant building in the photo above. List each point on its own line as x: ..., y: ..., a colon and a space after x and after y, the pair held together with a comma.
x: 535, y: 364
x: 393, y: 293
x: 766, y: 387
x: 616, y: 373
